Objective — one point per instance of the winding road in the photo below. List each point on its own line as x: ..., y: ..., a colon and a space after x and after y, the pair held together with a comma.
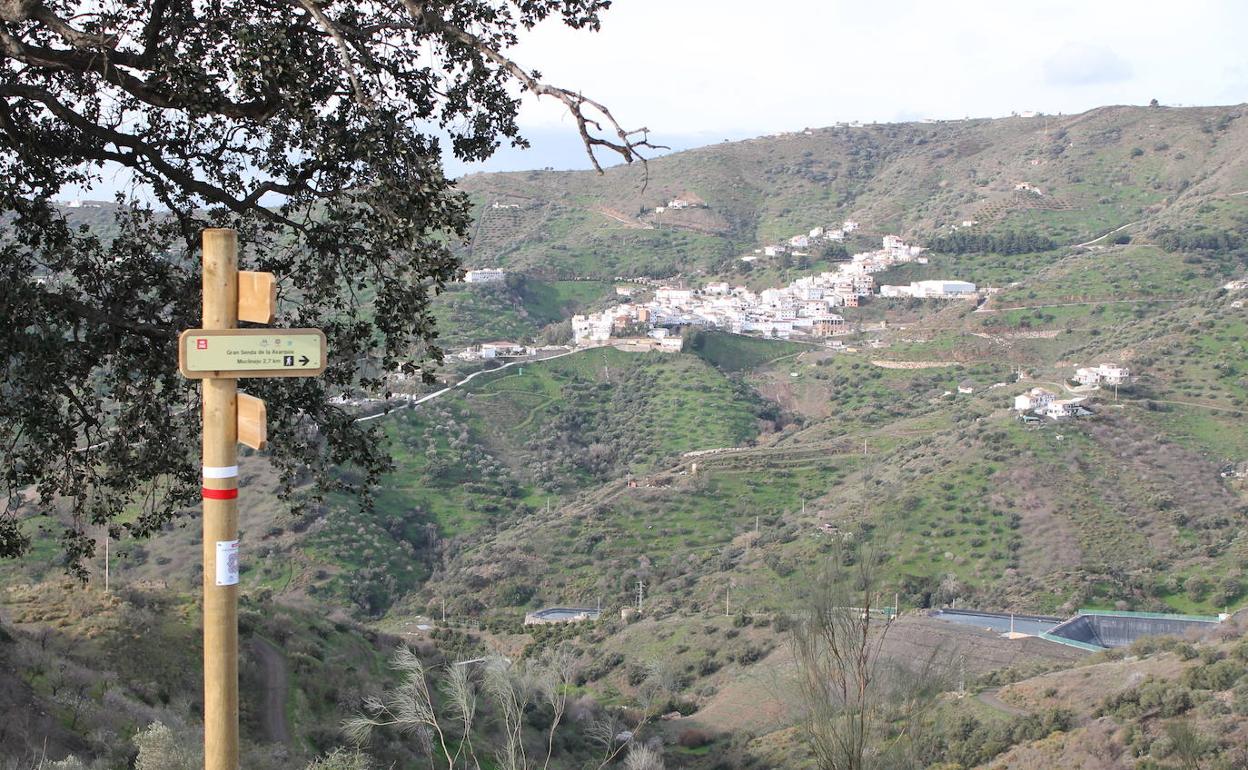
x: 1106, y: 235
x: 469, y: 378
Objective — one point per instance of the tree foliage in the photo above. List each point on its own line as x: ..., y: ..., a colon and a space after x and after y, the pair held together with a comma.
x: 1008, y: 242
x: 313, y: 128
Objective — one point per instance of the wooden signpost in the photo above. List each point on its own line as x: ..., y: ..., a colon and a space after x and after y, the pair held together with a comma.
x: 219, y: 355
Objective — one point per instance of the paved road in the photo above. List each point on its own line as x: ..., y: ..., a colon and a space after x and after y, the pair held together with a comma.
x: 273, y: 696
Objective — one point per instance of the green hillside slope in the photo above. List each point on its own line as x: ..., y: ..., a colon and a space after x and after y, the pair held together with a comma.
x: 1093, y: 172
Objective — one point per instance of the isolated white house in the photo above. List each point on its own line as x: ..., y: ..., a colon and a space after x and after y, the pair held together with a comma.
x: 485, y: 275
x: 1104, y: 374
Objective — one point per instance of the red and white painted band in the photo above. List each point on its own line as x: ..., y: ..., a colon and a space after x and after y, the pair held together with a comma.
x: 220, y: 471
x: 220, y: 494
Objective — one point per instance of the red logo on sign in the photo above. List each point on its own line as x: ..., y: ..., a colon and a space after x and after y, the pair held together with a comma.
x: 201, y: 344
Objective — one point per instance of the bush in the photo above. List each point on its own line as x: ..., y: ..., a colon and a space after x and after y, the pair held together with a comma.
x: 1214, y: 676
x: 693, y: 738
x: 340, y: 759
x: 161, y: 749
x: 1168, y: 699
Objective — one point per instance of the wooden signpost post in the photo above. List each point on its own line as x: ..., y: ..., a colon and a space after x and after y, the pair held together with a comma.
x: 219, y: 355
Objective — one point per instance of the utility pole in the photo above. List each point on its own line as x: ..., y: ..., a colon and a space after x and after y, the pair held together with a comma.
x: 640, y: 587
x: 444, y: 610
x: 219, y: 354
x: 106, y: 539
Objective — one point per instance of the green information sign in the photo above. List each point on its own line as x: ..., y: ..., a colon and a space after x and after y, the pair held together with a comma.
x: 235, y: 353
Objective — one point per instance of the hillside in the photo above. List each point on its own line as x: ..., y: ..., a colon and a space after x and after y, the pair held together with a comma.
x: 1094, y: 172
x: 82, y: 671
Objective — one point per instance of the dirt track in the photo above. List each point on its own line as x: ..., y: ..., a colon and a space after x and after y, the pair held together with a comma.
x: 273, y: 698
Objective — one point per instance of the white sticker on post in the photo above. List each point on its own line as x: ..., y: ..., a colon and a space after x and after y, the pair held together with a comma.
x: 227, y: 562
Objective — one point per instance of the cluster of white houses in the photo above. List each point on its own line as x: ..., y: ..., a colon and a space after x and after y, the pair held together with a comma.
x: 799, y: 244
x: 806, y: 307
x: 1045, y: 403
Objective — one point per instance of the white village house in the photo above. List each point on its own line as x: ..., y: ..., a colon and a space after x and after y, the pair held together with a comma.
x: 1064, y: 408
x: 932, y: 290
x: 502, y: 350
x: 485, y: 275
x: 1034, y: 399
x: 1104, y: 374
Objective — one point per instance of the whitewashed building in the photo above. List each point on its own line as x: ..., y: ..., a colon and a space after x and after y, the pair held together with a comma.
x: 943, y: 289
x: 1063, y: 408
x: 1036, y: 398
x: 502, y: 350
x: 670, y: 296
x: 1104, y: 374
x: 485, y: 275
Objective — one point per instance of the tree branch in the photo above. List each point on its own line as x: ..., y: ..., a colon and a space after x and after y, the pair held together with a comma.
x: 626, y: 147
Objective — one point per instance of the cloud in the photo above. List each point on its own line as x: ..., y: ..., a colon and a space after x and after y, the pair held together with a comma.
x: 1084, y: 64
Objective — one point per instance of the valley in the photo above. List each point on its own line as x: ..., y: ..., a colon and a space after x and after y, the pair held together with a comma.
x: 695, y: 494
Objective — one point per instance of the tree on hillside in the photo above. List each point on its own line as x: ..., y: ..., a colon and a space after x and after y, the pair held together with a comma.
x: 860, y: 708
x: 446, y: 717
x: 313, y: 127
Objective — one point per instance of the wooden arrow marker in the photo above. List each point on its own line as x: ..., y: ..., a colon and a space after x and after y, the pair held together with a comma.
x: 257, y: 297
x: 253, y: 428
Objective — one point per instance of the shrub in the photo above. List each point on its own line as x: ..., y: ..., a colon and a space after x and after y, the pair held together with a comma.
x: 1214, y: 676
x: 693, y: 738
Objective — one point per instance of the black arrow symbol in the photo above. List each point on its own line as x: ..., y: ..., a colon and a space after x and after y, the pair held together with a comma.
x: 303, y: 361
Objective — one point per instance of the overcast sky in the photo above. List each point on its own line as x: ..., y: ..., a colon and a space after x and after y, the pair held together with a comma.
x: 698, y: 71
